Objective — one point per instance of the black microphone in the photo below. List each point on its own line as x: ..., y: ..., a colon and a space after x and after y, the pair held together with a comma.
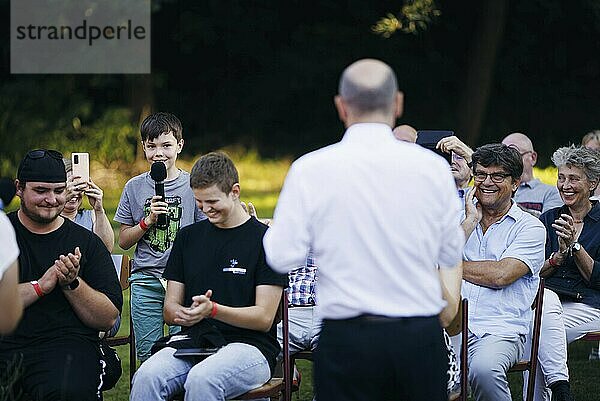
x: 158, y: 172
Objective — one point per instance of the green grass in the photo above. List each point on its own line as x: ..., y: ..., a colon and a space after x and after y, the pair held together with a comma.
x: 584, y: 374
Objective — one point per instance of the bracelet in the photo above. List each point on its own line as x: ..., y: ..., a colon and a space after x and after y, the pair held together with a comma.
x: 143, y: 224
x: 551, y: 260
x: 37, y: 288
x: 213, y: 312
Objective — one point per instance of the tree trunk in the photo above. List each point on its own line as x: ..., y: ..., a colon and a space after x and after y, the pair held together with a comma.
x: 140, y: 90
x: 480, y: 70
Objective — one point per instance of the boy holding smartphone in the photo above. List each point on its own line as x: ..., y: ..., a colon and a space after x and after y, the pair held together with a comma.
x: 138, y: 212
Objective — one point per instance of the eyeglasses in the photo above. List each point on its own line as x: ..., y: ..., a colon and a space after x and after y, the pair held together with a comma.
x: 495, y: 177
x: 526, y: 152
x: 39, y: 153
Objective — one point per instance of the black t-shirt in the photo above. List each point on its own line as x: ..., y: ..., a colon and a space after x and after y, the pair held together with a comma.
x: 52, y: 316
x: 231, y: 262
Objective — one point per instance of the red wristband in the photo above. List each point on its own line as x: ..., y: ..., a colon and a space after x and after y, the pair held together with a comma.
x: 551, y: 261
x: 143, y: 224
x: 213, y: 312
x: 37, y: 288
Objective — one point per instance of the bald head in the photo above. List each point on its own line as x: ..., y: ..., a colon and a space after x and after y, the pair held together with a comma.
x: 369, y: 86
x: 523, y: 144
x: 519, y: 141
x: 405, y: 133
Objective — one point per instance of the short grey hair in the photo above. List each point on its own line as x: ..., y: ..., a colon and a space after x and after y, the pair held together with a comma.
x: 575, y: 156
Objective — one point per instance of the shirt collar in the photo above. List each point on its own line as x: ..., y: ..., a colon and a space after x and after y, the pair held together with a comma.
x: 531, y: 184
x: 368, y: 133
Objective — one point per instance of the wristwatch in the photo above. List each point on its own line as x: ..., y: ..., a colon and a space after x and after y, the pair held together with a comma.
x: 576, y: 246
x: 72, y: 285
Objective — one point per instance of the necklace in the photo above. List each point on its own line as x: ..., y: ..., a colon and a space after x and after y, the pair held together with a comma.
x: 577, y: 221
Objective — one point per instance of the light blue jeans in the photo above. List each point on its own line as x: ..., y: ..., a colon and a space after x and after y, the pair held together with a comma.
x: 233, y: 370
x: 147, y: 299
x: 304, y: 326
x: 490, y: 357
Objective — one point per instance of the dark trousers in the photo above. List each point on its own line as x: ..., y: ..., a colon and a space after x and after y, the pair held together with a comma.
x: 56, y: 370
x: 376, y: 358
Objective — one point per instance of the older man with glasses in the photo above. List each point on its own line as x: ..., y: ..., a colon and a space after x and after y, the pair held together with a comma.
x: 503, y: 256
x: 533, y: 196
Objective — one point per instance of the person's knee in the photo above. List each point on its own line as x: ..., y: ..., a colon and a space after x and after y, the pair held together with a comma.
x: 484, y: 371
x: 81, y: 389
x: 552, y: 303
x: 199, y: 383
x: 147, y: 374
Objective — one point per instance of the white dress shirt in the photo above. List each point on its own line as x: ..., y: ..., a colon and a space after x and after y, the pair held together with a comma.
x: 9, y: 250
x: 380, y: 215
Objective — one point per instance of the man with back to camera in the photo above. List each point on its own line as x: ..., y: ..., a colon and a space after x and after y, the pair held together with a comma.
x: 69, y: 289
x: 533, y: 196
x: 378, y: 245
x: 503, y: 256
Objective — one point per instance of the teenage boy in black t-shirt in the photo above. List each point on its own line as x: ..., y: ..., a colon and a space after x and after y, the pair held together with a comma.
x: 217, y: 271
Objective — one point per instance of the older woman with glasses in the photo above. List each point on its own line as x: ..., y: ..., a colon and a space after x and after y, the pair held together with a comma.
x: 571, y: 269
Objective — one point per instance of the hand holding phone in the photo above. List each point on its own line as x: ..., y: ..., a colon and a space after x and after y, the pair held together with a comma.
x: 429, y: 139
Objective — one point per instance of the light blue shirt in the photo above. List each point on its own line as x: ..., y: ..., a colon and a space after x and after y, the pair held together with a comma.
x: 507, y: 311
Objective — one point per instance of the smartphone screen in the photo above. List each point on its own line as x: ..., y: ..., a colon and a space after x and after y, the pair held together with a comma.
x: 429, y: 139
x: 81, y: 165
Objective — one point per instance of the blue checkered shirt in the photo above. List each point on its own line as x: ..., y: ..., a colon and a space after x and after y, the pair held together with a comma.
x: 302, y: 284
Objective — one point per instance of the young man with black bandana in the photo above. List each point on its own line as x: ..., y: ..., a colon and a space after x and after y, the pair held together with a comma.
x: 68, y: 286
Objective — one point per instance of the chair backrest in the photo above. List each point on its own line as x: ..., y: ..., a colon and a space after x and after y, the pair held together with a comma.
x: 123, y: 267
x: 531, y: 365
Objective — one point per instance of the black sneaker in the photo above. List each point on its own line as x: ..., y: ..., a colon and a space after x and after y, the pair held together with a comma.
x: 561, y: 391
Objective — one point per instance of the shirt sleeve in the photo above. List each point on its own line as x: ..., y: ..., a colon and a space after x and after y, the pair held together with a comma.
x: 100, y: 272
x: 287, y: 241
x: 9, y: 249
x: 123, y: 214
x: 453, y: 237
x: 528, y: 246
x: 266, y: 276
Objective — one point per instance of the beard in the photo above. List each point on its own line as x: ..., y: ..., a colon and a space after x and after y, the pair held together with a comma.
x: 36, y: 217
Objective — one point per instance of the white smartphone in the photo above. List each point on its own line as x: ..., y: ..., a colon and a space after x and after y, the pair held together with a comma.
x: 81, y: 165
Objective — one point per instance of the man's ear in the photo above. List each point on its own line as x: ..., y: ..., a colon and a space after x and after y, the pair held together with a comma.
x: 180, y: 146
x: 19, y: 191
x: 341, y: 108
x: 515, y: 186
x: 399, y: 104
x: 235, y: 191
x: 533, y: 158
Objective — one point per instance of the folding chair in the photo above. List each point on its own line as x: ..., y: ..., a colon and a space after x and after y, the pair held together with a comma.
x: 123, y: 267
x: 531, y: 364
x: 277, y: 386
x: 521, y: 366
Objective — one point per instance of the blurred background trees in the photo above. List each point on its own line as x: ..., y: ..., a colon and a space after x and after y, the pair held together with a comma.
x: 261, y: 75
